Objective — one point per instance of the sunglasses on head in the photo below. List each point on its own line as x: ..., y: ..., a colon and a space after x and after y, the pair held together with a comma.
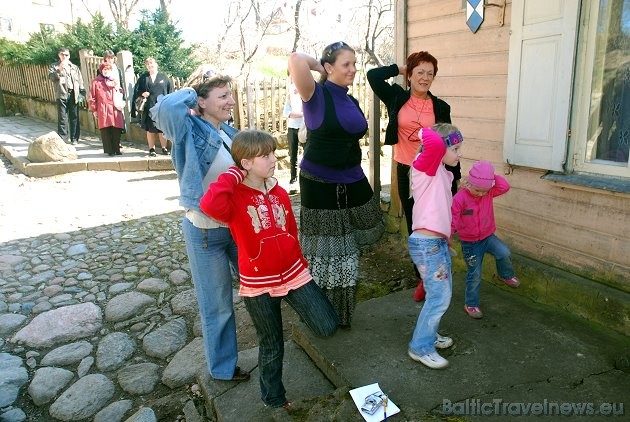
x: 328, y: 51
x: 211, y: 74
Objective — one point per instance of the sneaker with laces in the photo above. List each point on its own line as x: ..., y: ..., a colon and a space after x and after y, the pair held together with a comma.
x: 165, y: 151
x: 473, y: 311
x: 419, y: 294
x: 443, y: 342
x: 512, y: 282
x: 432, y: 360
x: 152, y: 152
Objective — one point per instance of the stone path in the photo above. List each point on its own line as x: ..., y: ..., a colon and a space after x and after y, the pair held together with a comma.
x: 98, y: 317
x: 106, y: 313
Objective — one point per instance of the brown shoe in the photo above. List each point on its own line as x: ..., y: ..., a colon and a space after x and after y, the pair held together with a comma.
x: 240, y: 375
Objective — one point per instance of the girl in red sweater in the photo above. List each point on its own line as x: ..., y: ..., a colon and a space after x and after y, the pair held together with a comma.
x: 271, y: 266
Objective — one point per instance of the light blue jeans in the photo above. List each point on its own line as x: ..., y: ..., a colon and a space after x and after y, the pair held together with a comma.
x: 473, y: 255
x: 433, y: 260
x: 314, y: 309
x: 210, y: 253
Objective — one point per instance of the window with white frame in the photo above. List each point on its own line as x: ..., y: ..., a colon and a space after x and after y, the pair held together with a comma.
x: 601, y: 117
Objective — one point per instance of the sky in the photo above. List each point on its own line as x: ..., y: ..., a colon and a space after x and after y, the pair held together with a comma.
x: 201, y: 21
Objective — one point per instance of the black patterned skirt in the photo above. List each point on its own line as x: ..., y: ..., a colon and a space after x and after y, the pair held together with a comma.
x: 336, y: 220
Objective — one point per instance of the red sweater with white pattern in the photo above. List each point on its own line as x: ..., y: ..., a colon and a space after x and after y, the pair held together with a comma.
x: 263, y: 227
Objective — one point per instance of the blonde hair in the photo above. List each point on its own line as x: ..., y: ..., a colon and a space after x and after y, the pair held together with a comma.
x: 249, y: 144
x: 444, y: 129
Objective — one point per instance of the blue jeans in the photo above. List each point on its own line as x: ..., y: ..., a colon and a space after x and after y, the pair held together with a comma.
x: 473, y: 255
x: 314, y: 309
x: 431, y: 256
x: 210, y: 253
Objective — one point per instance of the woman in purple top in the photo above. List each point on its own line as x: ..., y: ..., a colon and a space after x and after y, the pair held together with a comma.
x: 339, y: 212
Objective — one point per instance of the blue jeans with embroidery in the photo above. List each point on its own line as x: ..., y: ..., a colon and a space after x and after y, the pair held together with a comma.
x: 473, y: 255
x: 431, y: 256
x: 211, y: 253
x: 313, y: 307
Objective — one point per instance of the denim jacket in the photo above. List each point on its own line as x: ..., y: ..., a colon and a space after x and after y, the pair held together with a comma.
x: 195, y: 142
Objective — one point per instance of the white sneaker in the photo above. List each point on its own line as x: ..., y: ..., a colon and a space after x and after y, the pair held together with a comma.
x: 432, y: 360
x: 443, y: 342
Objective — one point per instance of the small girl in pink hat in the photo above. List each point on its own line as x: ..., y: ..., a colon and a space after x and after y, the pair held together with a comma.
x: 473, y: 220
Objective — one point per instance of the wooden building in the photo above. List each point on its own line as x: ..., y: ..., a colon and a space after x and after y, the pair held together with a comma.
x: 542, y: 90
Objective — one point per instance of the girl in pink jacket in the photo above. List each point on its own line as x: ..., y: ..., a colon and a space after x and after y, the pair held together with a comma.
x: 428, y: 243
x: 473, y: 220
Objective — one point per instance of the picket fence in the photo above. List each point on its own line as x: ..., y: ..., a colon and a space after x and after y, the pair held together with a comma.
x: 259, y: 102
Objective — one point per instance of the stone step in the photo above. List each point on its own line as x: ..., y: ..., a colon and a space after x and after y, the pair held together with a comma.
x: 520, y: 353
x: 230, y: 401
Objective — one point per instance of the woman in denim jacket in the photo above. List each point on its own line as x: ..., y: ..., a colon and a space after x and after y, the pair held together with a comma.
x: 194, y: 119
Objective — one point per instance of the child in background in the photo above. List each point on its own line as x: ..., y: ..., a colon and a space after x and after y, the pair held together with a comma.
x: 473, y: 220
x: 429, y: 242
x: 271, y: 266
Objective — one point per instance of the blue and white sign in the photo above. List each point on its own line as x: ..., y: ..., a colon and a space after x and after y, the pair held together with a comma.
x: 474, y: 14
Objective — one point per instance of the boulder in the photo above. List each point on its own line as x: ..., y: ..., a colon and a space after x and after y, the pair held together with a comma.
x: 50, y: 148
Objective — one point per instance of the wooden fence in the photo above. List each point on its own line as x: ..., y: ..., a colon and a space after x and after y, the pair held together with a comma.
x: 259, y: 102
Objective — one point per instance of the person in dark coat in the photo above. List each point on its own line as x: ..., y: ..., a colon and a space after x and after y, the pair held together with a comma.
x: 150, y: 86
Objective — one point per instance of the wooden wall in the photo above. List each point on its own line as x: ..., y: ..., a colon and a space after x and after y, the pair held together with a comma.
x: 583, y: 231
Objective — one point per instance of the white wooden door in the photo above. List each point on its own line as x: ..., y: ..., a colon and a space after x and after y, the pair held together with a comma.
x: 540, y: 79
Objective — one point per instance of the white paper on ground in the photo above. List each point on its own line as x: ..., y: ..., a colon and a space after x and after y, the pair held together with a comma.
x: 359, y: 394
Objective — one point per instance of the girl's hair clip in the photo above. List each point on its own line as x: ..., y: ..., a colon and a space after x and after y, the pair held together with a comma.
x: 453, y: 139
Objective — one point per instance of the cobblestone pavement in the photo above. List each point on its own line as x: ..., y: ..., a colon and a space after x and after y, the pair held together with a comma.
x: 96, y: 299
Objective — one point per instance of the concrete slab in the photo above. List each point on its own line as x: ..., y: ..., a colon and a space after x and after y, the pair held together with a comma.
x: 519, y: 351
x: 17, y: 132
x: 241, y: 402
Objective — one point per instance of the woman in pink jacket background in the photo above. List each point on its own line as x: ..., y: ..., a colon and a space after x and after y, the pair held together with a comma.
x: 106, y: 102
x: 473, y: 220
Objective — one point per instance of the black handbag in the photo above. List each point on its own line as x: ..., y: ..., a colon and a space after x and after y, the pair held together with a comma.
x: 140, y: 102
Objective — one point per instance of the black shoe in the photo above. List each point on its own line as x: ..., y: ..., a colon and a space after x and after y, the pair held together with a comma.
x: 118, y: 153
x: 239, y: 375
x: 111, y: 154
x: 165, y: 151
x: 152, y: 152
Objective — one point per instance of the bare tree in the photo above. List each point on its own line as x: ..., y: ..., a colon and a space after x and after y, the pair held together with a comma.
x: 165, y: 5
x: 379, y: 23
x: 121, y: 10
x: 296, y: 24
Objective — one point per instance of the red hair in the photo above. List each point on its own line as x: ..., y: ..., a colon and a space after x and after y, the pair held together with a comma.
x: 415, y: 59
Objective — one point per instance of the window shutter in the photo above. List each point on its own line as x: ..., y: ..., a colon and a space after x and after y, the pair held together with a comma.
x: 540, y: 78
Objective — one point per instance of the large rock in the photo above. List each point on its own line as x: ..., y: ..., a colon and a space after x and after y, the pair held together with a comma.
x: 84, y: 398
x: 184, y: 366
x: 47, y: 383
x: 12, y: 376
x: 61, y: 325
x: 50, y: 148
x: 126, y: 305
